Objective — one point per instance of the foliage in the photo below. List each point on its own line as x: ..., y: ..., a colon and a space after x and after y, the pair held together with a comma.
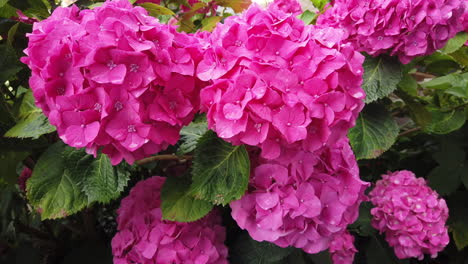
x: 414, y: 118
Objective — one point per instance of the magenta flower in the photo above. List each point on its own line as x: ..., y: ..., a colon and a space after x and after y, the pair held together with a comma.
x: 302, y: 199
x: 114, y: 78
x: 411, y: 215
x: 342, y: 248
x: 287, y: 6
x: 401, y: 28
x: 143, y: 237
x: 277, y: 83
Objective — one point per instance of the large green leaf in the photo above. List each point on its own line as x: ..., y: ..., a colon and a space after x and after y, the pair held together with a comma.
x: 381, y: 77
x: 178, y: 205
x: 248, y: 251
x: 103, y: 182
x: 453, y: 167
x: 190, y: 135
x: 220, y: 171
x: 31, y: 122
x: 374, y: 133
x: 65, y: 180
x: 460, y: 234
x: 445, y: 122
x: 53, y: 189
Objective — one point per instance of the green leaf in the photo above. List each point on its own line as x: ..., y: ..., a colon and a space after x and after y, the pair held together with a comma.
x: 308, y: 17
x: 320, y: 4
x: 52, y: 189
x: 65, y: 180
x: 447, y: 177
x: 455, y: 43
x: 9, y: 161
x: 220, y: 171
x: 363, y: 226
x: 321, y: 258
x: 103, y: 182
x: 178, y: 205
x: 236, y: 5
x: 374, y: 133
x: 248, y: 251
x: 459, y: 231
x: 155, y: 10
x: 11, y: 34
x: 409, y: 85
x: 31, y: 122
x: 419, y: 114
x: 376, y: 252
x: 9, y: 63
x: 445, y: 122
x: 209, y: 23
x: 7, y: 11
x: 190, y: 135
x: 381, y: 77
x: 3, y: 2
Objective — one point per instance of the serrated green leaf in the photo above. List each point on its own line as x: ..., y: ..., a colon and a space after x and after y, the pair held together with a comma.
x: 156, y: 10
x: 374, y: 133
x: 220, y: 171
x: 103, y: 182
x: 455, y: 43
x: 308, y: 17
x: 248, y: 251
x: 178, y: 205
x: 52, y: 189
x: 31, y: 122
x: 460, y: 234
x: 65, y: 180
x: 209, y: 23
x: 236, y: 5
x: 381, y: 77
x: 409, y: 85
x: 190, y: 135
x: 445, y: 122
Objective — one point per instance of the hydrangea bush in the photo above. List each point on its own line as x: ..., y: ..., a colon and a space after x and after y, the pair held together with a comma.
x: 273, y: 129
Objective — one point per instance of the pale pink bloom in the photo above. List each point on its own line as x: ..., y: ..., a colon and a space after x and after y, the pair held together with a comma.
x: 411, y: 215
x: 143, y: 237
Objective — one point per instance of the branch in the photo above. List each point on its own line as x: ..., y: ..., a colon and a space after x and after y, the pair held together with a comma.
x: 423, y: 75
x: 409, y: 131
x: 164, y: 157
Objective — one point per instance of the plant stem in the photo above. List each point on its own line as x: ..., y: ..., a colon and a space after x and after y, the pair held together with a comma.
x: 163, y: 157
x: 409, y: 131
x: 423, y: 75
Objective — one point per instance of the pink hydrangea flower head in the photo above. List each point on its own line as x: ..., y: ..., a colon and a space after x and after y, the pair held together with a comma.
x: 23, y: 178
x: 302, y: 199
x: 411, y: 215
x: 465, y: 20
x: 342, y: 248
x: 406, y: 29
x: 114, y: 78
x: 143, y: 237
x: 277, y: 82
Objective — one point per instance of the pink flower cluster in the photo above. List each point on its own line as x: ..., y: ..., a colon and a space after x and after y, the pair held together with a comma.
x: 342, y: 249
x: 465, y: 21
x: 403, y: 28
x: 114, y: 78
x: 145, y: 238
x: 302, y: 199
x: 277, y: 82
x: 410, y: 214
